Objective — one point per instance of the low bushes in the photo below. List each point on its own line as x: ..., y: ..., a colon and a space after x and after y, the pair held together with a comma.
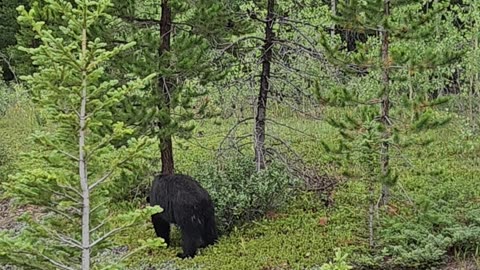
x: 241, y: 194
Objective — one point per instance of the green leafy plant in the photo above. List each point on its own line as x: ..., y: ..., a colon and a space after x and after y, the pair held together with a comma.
x: 67, y: 173
x: 339, y: 262
x: 240, y: 194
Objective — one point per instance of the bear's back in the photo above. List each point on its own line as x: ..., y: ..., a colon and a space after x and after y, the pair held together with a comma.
x: 178, y: 188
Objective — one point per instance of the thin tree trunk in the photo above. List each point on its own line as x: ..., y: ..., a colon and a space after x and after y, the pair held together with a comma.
x: 371, y: 213
x: 411, y: 95
x: 264, y: 89
x: 166, y: 146
x: 333, y: 7
x: 470, y: 100
x: 385, y: 107
x: 473, y: 86
x: 83, y: 163
x: 410, y: 87
x: 477, y: 74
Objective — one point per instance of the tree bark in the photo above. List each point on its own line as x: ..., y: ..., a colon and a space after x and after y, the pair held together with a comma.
x: 385, y: 107
x: 264, y: 89
x: 166, y: 146
x: 82, y: 164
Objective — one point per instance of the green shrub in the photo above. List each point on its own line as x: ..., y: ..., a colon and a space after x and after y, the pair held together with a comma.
x: 427, y: 238
x: 240, y: 194
x: 339, y: 262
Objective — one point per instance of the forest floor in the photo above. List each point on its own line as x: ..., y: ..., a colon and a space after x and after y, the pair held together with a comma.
x: 433, y: 221
x: 462, y: 264
x: 9, y: 215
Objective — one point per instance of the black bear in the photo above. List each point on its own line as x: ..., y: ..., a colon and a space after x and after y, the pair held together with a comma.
x: 189, y: 206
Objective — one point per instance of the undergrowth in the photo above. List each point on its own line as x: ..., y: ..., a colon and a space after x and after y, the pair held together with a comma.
x: 434, y: 212
x: 18, y: 119
x: 433, y: 216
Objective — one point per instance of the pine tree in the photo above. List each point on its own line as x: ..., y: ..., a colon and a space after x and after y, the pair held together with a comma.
x: 468, y: 14
x: 26, y: 37
x: 180, y: 52
x: 261, y: 111
x: 386, y: 59
x: 67, y: 174
x: 275, y: 59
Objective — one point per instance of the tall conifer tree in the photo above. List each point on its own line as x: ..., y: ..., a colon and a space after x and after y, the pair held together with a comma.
x: 177, y: 42
x: 66, y: 174
x: 374, y: 128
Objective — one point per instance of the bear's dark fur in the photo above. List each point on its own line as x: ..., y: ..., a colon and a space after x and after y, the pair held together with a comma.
x: 189, y: 206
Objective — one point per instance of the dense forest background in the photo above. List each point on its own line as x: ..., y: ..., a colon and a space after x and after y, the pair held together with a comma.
x: 339, y: 134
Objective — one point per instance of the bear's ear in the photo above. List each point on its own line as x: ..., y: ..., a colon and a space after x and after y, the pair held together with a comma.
x: 148, y: 199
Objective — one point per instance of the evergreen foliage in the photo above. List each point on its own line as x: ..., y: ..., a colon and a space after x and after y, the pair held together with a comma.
x: 398, y: 85
x: 187, y: 67
x: 9, y: 28
x: 66, y: 175
x: 399, y: 48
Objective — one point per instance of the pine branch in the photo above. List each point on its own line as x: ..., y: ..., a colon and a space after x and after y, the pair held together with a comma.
x: 288, y: 21
x: 61, y: 213
x: 105, y: 236
x: 141, y: 21
x: 56, y: 263
x: 286, y: 144
x: 150, y: 22
x: 108, y: 174
x: 100, y: 225
x: 69, y: 241
x: 291, y: 128
x: 71, y: 189
x: 231, y: 130
x: 62, y: 238
x: 65, y: 195
x: 230, y: 45
x: 99, y: 181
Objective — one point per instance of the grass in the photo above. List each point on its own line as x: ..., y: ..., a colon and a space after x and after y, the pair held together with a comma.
x: 17, y: 122
x: 296, y: 237
x: 441, y: 180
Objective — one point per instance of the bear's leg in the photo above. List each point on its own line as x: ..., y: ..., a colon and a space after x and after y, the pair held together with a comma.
x: 190, y: 239
x: 162, y: 228
x: 209, y: 232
